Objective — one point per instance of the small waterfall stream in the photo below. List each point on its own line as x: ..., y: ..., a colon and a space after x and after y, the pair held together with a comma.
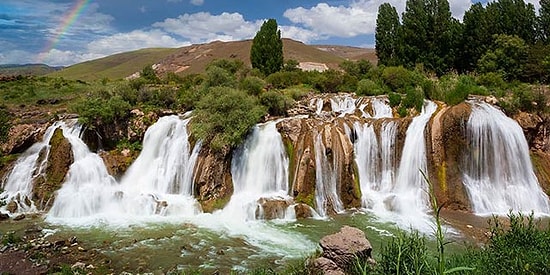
x: 159, y: 182
x: 498, y: 173
x: 326, y: 179
x: 18, y: 185
x: 260, y: 170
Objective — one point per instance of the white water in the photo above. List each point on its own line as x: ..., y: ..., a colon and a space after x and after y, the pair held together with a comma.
x: 326, y: 179
x: 159, y: 182
x: 396, y: 194
x: 344, y: 104
x: 260, y: 170
x: 498, y: 173
x: 380, y: 108
x: 18, y: 185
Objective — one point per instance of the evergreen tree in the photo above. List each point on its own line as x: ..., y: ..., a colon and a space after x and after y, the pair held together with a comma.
x: 476, y: 37
x: 513, y: 17
x: 266, y: 53
x: 386, y: 36
x: 415, y: 33
x: 544, y: 21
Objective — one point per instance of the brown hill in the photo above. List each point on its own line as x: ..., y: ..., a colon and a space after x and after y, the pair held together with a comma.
x: 194, y: 58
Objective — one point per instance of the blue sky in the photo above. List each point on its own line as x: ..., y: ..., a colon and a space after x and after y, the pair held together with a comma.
x: 105, y: 27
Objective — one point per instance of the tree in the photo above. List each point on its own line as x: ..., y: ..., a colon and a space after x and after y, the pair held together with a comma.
x: 513, y: 17
x: 149, y: 74
x: 508, y: 57
x: 476, y: 37
x: 387, y: 35
x: 544, y: 21
x: 266, y: 53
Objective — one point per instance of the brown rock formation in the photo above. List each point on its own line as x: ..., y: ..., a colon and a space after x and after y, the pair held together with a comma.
x: 448, y: 142
x: 59, y: 160
x: 213, y: 183
x: 21, y: 137
x: 272, y: 208
x: 343, y: 249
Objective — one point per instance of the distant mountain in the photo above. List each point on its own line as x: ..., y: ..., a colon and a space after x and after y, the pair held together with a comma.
x: 27, y: 69
x: 194, y: 58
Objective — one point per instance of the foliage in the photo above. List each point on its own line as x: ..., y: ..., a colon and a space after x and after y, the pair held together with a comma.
x: 521, y: 247
x: 224, y: 116
x: 291, y: 65
x: 39, y: 90
x: 277, y: 103
x: 414, y: 98
x: 387, y: 35
x: 394, y: 99
x: 266, y: 52
x: 101, y: 109
x: 328, y: 81
x: 285, y: 79
x: 507, y: 56
x: 149, y: 75
x: 369, y: 88
x: 398, y: 79
x: 252, y: 84
x: 232, y: 66
x: 406, y: 253
x: 357, y: 69
x: 219, y: 77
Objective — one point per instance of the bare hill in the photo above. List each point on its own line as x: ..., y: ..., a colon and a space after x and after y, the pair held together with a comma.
x: 194, y: 58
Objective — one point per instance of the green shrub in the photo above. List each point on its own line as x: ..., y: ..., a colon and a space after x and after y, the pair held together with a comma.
x: 252, y: 84
x: 328, y: 81
x: 277, y: 103
x: 285, y: 79
x: 406, y: 253
x: 369, y: 88
x: 297, y: 92
x: 232, y: 66
x: 188, y: 97
x: 96, y: 110
x: 224, y: 116
x: 394, y: 99
x: 398, y: 79
x: 219, y: 77
x: 491, y: 80
x: 414, y: 98
x: 520, y: 248
x: 464, y: 86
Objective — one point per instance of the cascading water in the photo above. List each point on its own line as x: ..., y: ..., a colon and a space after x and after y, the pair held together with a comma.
x: 18, y: 185
x: 260, y: 170
x: 159, y: 182
x: 498, y: 172
x: 401, y: 199
x: 343, y: 104
x: 326, y: 181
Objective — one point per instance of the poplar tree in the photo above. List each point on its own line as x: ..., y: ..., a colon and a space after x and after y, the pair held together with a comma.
x: 266, y: 53
x: 544, y: 21
x: 387, y: 35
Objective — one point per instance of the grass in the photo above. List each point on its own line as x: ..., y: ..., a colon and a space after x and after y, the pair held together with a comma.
x: 116, y: 66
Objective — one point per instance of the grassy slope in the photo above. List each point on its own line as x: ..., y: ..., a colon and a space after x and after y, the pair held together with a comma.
x: 27, y: 69
x: 115, y: 66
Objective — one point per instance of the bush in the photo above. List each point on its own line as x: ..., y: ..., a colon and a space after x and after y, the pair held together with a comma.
x: 188, y: 97
x: 232, y: 66
x: 219, y: 77
x: 491, y: 80
x: 252, y: 84
x: 328, y: 81
x: 521, y: 248
x: 414, y: 98
x: 398, y: 79
x: 394, y: 99
x: 285, y: 79
x: 224, y: 116
x: 464, y: 86
x: 369, y: 88
x: 97, y: 110
x: 277, y: 104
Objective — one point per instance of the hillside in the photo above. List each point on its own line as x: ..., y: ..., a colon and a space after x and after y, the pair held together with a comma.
x: 115, y: 66
x: 27, y: 69
x: 194, y: 58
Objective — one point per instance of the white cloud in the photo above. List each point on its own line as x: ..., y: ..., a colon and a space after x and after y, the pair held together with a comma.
x: 357, y: 18
x: 204, y: 27
x: 197, y: 2
x: 300, y: 34
x: 133, y: 40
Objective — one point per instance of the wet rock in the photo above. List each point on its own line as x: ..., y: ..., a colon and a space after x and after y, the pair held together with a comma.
x: 21, y: 137
x: 327, y: 267
x: 59, y: 160
x: 345, y: 246
x: 4, y: 216
x: 213, y: 182
x: 272, y: 208
x: 303, y: 211
x: 19, y: 217
x: 12, y: 207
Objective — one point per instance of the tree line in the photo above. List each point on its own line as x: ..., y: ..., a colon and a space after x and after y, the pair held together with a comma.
x: 504, y: 36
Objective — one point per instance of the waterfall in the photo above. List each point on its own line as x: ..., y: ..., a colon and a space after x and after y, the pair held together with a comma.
x: 343, y: 104
x: 260, y: 170
x: 326, y: 179
x: 402, y: 198
x: 380, y: 109
x: 411, y: 188
x: 498, y: 173
x: 18, y: 184
x: 159, y: 182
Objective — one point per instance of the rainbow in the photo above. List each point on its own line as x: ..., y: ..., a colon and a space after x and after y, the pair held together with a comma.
x: 68, y: 20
